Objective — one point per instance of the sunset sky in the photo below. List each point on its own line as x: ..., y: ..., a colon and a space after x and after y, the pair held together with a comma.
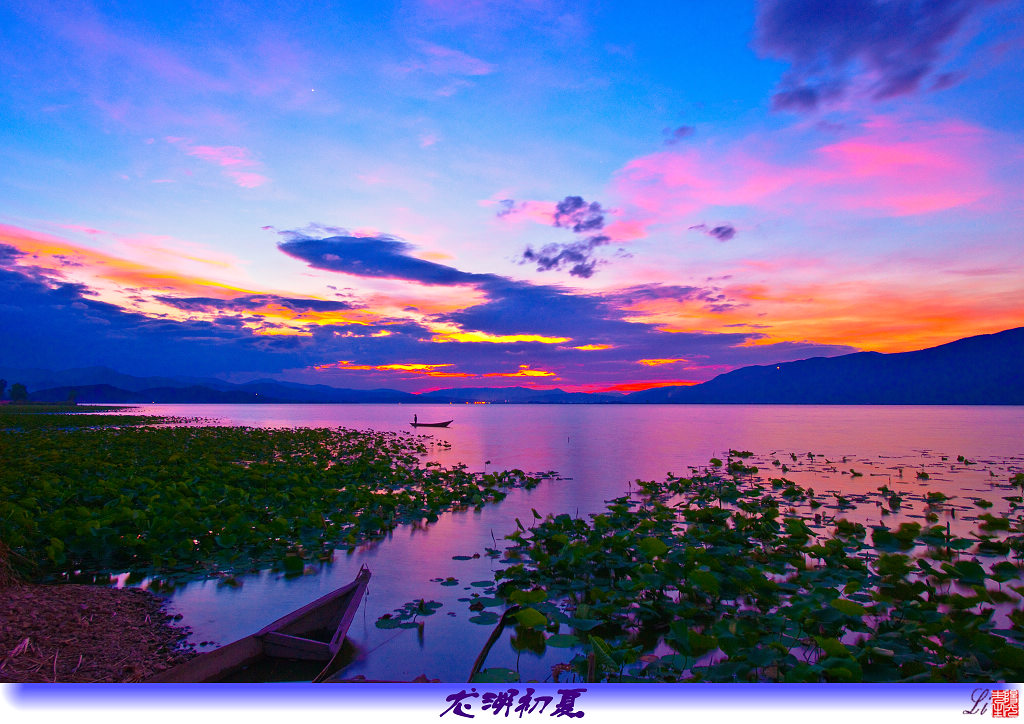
x: 420, y: 195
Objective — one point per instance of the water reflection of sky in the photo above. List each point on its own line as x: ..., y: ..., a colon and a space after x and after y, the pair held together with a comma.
x: 597, y: 451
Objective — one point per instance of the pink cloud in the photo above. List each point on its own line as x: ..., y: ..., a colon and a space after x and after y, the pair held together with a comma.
x: 889, y: 167
x: 440, y: 60
x: 539, y: 212
x: 233, y: 159
x: 82, y: 229
x: 904, y: 173
x: 247, y: 179
x: 223, y: 155
x: 626, y: 229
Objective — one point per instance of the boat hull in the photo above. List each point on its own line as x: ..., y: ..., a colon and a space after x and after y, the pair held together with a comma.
x: 314, y: 633
x: 431, y: 424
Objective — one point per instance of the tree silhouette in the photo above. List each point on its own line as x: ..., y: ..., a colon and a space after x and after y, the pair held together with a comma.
x: 18, y: 392
x: 3, y: 386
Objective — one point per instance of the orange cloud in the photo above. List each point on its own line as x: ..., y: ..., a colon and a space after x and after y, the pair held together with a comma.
x: 428, y: 370
x: 140, y: 287
x: 884, y: 315
x: 448, y: 334
x: 60, y: 256
x: 593, y: 347
x: 280, y: 312
x: 523, y: 371
x: 660, y: 361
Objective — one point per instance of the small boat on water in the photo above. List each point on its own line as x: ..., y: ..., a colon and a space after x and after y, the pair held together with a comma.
x: 446, y: 423
x: 311, y: 636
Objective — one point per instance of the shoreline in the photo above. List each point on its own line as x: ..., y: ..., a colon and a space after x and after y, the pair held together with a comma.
x: 75, y: 633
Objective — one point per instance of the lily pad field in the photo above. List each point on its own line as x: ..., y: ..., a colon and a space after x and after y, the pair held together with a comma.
x: 86, y: 496
x: 730, y: 574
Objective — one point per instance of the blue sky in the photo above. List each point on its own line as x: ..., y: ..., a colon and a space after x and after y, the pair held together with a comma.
x: 432, y: 194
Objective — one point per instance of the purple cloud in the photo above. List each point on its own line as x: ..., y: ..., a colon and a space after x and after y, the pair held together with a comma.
x: 723, y: 232
x: 675, y: 135
x: 508, y: 206
x: 381, y: 256
x: 891, y: 44
x: 574, y: 213
x: 712, y: 297
x: 578, y: 256
x: 254, y: 301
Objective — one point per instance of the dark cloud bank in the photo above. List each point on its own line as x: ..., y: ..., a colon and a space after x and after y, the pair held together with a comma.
x: 49, y: 323
x: 898, y: 43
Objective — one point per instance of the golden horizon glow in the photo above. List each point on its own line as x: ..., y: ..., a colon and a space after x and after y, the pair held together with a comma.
x: 876, y: 315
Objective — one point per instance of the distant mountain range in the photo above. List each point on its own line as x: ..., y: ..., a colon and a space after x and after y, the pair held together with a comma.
x: 982, y: 370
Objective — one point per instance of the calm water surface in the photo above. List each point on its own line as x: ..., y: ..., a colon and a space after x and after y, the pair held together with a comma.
x: 597, y: 451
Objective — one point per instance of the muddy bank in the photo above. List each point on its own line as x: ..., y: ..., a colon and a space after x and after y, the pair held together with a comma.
x: 77, y: 633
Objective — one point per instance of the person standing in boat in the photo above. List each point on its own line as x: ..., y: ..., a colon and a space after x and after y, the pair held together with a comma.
x: 414, y: 420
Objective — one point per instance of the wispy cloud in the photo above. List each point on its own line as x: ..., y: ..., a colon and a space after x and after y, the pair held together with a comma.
x: 144, y: 80
x: 454, y: 68
x: 440, y: 60
x: 677, y: 134
x: 237, y: 162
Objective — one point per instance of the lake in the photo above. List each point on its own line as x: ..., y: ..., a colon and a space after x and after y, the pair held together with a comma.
x: 596, y: 452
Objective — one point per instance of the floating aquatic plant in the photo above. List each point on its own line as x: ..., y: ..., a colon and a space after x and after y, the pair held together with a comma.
x: 198, y: 500
x: 714, y: 578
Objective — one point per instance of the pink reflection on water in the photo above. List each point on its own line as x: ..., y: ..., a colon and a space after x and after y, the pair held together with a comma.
x: 597, y: 451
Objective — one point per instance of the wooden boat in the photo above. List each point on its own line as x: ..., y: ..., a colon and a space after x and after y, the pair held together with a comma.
x: 446, y: 423
x: 311, y: 637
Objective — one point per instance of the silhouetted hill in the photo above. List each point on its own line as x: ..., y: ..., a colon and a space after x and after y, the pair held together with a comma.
x: 251, y: 393
x: 982, y: 370
x: 293, y: 392
x: 110, y: 394
x: 39, y: 379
